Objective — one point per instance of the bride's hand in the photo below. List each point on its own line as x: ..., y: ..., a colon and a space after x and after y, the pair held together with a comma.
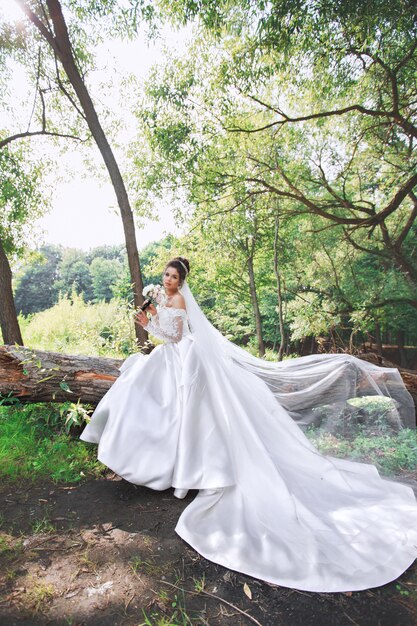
x: 141, y: 318
x: 151, y: 309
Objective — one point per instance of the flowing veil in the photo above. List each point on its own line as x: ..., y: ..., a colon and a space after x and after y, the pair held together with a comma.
x: 279, y: 509
x: 338, y: 393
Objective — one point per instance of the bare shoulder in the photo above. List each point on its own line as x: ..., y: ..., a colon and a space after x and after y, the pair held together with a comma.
x: 178, y: 301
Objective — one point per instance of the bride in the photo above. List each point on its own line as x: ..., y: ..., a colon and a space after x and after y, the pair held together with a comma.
x: 201, y: 413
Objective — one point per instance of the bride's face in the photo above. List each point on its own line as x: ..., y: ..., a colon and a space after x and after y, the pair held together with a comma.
x: 171, y: 279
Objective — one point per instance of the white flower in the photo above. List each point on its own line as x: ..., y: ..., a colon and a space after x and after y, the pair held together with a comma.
x: 160, y: 295
x: 147, y: 290
x: 156, y: 293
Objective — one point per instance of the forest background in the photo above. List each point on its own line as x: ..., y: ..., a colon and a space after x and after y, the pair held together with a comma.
x: 283, y: 138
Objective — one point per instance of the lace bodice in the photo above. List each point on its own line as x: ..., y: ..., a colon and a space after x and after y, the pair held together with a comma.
x: 169, y: 324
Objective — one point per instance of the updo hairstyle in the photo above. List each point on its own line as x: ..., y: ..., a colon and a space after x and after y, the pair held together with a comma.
x: 182, y: 265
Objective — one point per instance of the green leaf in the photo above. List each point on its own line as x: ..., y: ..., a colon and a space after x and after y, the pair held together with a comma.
x: 65, y: 387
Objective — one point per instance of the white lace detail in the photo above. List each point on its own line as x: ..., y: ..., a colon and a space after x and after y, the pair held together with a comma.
x: 169, y: 324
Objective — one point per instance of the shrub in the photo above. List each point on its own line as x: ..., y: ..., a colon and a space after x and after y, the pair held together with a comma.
x: 73, y: 326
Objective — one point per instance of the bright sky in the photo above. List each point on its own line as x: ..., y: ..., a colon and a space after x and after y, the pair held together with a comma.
x: 83, y: 211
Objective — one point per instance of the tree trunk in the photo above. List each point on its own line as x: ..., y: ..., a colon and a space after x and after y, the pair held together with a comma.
x: 36, y: 376
x: 61, y: 45
x: 378, y: 339
x: 401, y: 351
x: 279, y: 292
x: 312, y: 345
x: 255, y: 305
x: 8, y: 318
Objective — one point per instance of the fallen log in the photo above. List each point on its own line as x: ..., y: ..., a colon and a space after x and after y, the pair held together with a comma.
x: 409, y: 376
x: 37, y: 376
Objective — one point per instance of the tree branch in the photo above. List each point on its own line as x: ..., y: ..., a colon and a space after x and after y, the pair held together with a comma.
x: 406, y: 58
x: 38, y: 71
x: 8, y: 140
x: 64, y: 90
x: 343, y: 201
x: 394, y: 301
x: 357, y: 246
x: 300, y: 197
x: 394, y: 115
x: 373, y: 220
x: 312, y: 116
x: 392, y: 206
x: 46, y: 32
x: 43, y: 110
x: 388, y: 71
x: 413, y: 216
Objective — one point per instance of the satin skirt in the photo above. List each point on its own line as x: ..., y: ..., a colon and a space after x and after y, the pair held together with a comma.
x: 270, y: 505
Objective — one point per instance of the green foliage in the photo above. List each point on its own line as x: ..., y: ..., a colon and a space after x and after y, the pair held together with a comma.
x: 71, y: 325
x: 288, y: 115
x: 75, y: 275
x: 390, y: 454
x: 105, y: 273
x: 75, y: 414
x: 305, y: 111
x: 100, y: 274
x: 33, y: 446
x: 20, y: 199
x: 315, y: 27
x: 35, y: 283
x: 53, y: 270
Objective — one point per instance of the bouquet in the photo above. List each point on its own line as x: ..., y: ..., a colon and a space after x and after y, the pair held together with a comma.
x: 155, y: 293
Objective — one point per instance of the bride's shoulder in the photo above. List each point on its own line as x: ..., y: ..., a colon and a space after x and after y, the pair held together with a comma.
x: 178, y: 301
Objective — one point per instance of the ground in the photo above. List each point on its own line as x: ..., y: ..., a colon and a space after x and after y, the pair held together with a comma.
x: 105, y: 553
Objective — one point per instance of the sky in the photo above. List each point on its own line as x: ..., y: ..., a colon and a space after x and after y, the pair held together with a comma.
x: 83, y: 208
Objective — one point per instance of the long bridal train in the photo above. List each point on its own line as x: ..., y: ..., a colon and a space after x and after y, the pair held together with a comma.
x: 199, y: 413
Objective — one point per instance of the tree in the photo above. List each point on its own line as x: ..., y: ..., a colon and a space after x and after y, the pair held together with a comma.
x: 313, y: 115
x: 74, y: 275
x: 36, y: 281
x: 277, y: 272
x: 49, y: 21
x: 105, y: 274
x: 20, y: 204
x: 8, y: 320
x: 354, y: 64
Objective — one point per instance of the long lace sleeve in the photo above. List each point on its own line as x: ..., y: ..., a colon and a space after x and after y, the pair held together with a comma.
x: 168, y: 327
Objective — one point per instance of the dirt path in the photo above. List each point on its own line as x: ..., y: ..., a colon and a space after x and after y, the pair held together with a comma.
x: 105, y: 553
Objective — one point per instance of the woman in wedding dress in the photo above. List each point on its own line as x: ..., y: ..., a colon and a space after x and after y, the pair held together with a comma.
x: 201, y: 413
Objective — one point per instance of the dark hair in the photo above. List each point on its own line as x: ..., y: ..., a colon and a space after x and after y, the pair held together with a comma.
x: 182, y: 266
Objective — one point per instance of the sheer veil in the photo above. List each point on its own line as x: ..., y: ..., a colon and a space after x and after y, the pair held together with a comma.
x: 338, y: 393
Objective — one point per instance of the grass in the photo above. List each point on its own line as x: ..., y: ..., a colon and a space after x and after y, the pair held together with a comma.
x: 43, y: 526
x: 366, y: 430
x: 392, y: 454
x: 145, y: 566
x: 87, y: 563
x: 199, y: 583
x: 39, y: 595
x: 10, y: 547
x: 34, y: 445
x: 176, y: 614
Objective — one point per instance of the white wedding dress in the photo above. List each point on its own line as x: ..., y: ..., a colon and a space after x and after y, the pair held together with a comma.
x: 200, y: 413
